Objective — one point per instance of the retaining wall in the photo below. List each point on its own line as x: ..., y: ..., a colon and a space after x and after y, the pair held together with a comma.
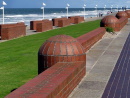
x: 89, y: 39
x: 121, y: 23
x: 56, y: 82
x: 59, y: 80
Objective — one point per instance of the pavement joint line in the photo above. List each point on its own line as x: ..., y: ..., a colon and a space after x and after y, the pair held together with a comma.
x: 101, y: 54
x: 91, y: 68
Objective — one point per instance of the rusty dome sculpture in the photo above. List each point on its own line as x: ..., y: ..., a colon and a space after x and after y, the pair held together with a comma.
x: 121, y: 14
x: 128, y: 13
x: 109, y: 21
x: 60, y: 48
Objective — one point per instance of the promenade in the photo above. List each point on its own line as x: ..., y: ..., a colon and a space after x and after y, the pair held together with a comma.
x: 101, y: 61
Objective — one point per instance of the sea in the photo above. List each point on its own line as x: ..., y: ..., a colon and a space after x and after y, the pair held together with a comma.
x: 14, y: 15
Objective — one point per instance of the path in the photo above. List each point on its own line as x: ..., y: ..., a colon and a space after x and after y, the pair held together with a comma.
x: 101, y: 60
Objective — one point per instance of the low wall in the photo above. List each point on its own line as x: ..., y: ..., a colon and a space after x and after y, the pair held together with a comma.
x: 56, y: 82
x: 63, y: 22
x: 44, y: 26
x: 10, y: 31
x: 128, y: 13
x: 33, y: 24
x: 59, y: 80
x: 113, y: 22
x: 89, y: 39
x: 76, y: 19
x: 121, y: 23
x: 55, y: 21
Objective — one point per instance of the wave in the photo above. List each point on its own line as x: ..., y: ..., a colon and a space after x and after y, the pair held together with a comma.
x: 13, y: 18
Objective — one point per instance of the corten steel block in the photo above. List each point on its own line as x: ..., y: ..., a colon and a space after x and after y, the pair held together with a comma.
x: 89, y: 39
x: 128, y: 13
x: 63, y: 22
x: 121, y: 14
x: 61, y: 48
x: 10, y: 31
x: 55, y: 21
x: 57, y: 81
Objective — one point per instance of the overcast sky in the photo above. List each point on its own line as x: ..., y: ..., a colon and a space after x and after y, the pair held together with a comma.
x: 62, y: 3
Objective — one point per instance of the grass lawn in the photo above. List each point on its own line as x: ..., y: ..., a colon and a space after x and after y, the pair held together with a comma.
x: 18, y: 57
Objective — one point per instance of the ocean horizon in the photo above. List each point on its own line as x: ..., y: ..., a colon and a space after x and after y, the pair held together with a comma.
x: 14, y: 15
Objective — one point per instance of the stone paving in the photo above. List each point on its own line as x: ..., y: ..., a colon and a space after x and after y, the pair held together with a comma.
x: 119, y: 83
x: 101, y: 60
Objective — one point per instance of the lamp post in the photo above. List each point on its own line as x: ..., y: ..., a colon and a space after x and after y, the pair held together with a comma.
x: 126, y: 7
x: 3, y: 3
x: 111, y: 7
x: 96, y: 9
x: 104, y: 7
x: 43, y: 9
x: 67, y: 9
x: 84, y: 10
x: 117, y: 7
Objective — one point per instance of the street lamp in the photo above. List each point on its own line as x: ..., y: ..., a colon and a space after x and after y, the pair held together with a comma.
x: 3, y: 9
x: 121, y: 9
x: 104, y: 7
x: 43, y: 9
x: 126, y: 7
x: 84, y: 10
x: 111, y: 7
x: 67, y: 9
x: 96, y: 9
x: 117, y: 7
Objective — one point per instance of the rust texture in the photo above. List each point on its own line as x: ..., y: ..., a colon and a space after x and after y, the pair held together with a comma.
x: 60, y: 48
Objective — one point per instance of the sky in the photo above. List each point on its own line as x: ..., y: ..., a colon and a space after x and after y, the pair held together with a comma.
x: 62, y: 3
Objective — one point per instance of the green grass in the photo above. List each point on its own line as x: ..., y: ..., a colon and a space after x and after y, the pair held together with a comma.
x: 18, y: 57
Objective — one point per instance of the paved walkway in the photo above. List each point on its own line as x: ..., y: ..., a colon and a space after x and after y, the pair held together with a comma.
x: 119, y: 83
x: 101, y: 60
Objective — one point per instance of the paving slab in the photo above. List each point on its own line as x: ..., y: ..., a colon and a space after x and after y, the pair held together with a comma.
x: 101, y: 61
